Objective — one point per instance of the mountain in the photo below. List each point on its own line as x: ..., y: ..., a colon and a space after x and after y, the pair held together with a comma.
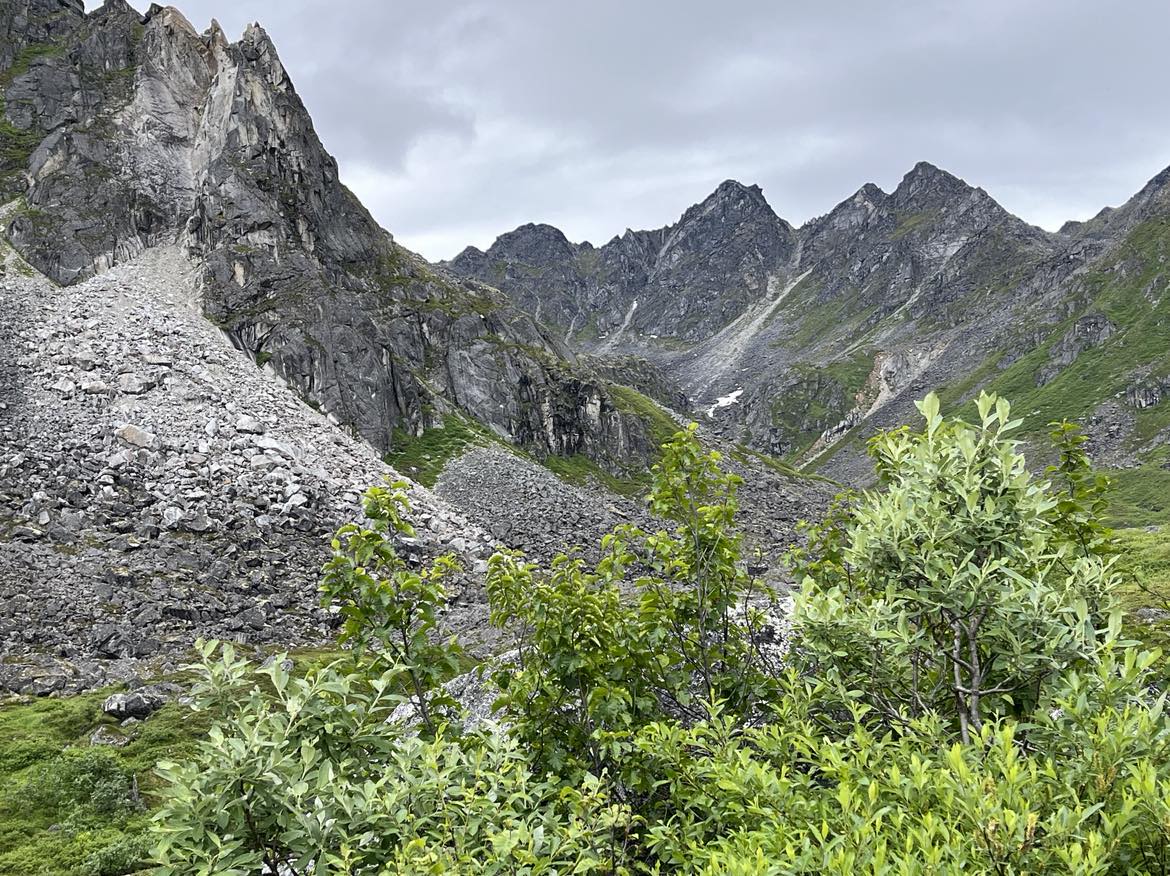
x: 208, y: 349
x: 812, y: 337
x: 683, y: 281
x: 123, y: 131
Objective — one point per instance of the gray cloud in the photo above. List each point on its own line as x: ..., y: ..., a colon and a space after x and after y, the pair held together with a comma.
x: 457, y: 120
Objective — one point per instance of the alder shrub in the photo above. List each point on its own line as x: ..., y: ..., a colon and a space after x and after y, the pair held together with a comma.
x: 956, y: 696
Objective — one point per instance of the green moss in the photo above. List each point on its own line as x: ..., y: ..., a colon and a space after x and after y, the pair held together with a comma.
x: 582, y: 471
x: 908, y: 222
x: 749, y: 456
x: 820, y: 318
x: 38, y: 742
x: 24, y: 60
x: 16, y: 147
x: 852, y: 373
x: 263, y: 358
x: 1144, y: 564
x: 44, y: 832
x: 660, y: 425
x: 424, y: 457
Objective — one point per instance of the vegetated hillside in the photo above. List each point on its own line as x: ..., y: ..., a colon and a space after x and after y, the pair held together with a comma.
x: 123, y: 131
x: 813, y: 337
x: 694, y: 729
x: 169, y: 194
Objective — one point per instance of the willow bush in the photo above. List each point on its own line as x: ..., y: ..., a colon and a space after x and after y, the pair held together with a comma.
x: 956, y: 696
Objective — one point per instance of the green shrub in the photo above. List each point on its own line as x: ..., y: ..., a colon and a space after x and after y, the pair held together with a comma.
x: 647, y: 730
x: 963, y: 586
x: 82, y: 785
x: 591, y: 669
x: 129, y: 854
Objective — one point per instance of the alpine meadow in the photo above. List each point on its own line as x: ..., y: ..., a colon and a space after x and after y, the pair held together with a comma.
x: 738, y: 544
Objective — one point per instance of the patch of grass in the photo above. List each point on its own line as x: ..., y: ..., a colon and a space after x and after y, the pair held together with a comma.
x: 818, y: 400
x: 424, y: 457
x: 1141, y: 496
x: 590, y: 331
x: 909, y: 222
x: 1144, y: 564
x: 68, y: 808
x: 580, y: 470
x: 660, y: 426
x: 24, y: 60
x: 748, y: 456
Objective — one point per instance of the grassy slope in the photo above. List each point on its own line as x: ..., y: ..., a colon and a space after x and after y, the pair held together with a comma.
x: 1145, y: 566
x: 38, y: 836
x: 423, y: 457
x: 1118, y: 290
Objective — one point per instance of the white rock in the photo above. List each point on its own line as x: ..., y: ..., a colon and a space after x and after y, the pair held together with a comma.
x: 249, y: 425
x: 136, y: 436
x: 132, y: 384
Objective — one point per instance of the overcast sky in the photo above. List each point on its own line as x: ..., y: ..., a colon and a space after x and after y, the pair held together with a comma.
x: 456, y: 121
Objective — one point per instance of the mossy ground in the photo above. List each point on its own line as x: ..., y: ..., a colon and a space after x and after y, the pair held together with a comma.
x: 38, y: 838
x: 40, y: 742
x: 581, y: 471
x: 423, y: 457
x: 1144, y: 563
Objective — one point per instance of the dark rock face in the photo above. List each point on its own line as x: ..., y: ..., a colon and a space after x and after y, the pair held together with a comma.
x: 141, y: 131
x: 685, y: 281
x: 798, y: 340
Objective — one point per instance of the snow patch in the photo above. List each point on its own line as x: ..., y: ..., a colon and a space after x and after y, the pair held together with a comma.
x: 724, y: 401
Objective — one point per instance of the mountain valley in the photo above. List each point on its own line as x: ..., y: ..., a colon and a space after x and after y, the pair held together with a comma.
x: 181, y: 256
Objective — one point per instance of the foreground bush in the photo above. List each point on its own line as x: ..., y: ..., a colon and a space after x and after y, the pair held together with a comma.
x: 956, y: 697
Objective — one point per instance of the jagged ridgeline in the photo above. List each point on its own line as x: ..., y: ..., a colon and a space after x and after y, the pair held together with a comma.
x: 802, y: 341
x: 124, y: 130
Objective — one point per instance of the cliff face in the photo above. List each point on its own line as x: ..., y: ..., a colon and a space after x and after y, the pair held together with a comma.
x: 684, y: 281
x: 123, y: 131
x: 808, y: 339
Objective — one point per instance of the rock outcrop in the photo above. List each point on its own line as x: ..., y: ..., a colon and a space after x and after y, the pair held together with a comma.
x: 684, y: 281
x: 126, y: 131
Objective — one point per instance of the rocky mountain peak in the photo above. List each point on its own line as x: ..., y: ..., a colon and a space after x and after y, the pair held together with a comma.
x: 926, y: 183
x: 206, y: 144
x: 732, y: 188
x: 732, y: 200
x: 852, y: 213
x: 733, y: 209
x: 534, y: 243
x: 112, y: 9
